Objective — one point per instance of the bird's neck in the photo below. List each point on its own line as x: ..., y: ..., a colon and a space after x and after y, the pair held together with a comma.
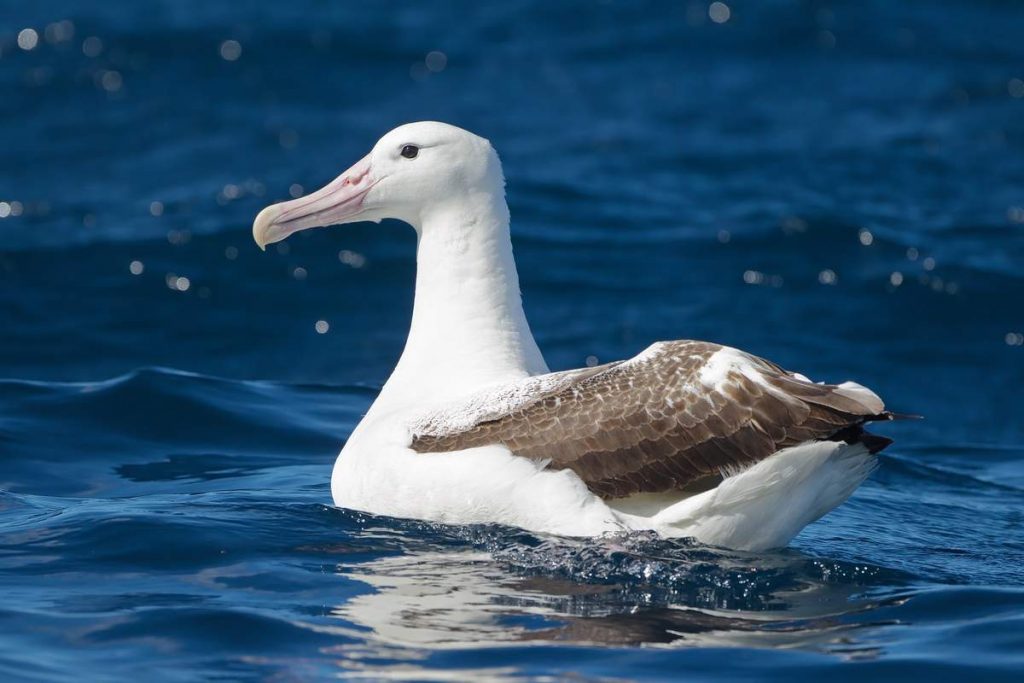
x: 468, y: 327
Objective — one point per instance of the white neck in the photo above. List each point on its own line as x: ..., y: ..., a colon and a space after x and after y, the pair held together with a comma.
x: 468, y: 327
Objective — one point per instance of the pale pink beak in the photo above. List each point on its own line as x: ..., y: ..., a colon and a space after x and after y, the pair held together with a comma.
x: 338, y: 202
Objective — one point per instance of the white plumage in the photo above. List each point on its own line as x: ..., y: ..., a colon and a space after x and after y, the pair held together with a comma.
x: 687, y: 439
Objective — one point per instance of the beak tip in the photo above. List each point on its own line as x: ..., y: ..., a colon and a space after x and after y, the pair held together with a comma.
x: 261, y: 226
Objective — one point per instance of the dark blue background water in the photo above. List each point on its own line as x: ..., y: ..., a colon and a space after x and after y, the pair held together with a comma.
x: 836, y: 186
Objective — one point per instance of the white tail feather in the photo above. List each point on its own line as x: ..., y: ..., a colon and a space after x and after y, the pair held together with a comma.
x: 768, y: 504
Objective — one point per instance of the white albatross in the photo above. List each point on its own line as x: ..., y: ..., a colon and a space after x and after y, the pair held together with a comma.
x: 688, y: 438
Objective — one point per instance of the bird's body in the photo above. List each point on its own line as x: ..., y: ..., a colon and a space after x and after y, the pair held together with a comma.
x: 687, y: 438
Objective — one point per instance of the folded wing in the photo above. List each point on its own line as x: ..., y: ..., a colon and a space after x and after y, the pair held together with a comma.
x: 677, y: 413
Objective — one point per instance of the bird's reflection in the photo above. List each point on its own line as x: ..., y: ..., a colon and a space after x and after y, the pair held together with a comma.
x: 438, y: 599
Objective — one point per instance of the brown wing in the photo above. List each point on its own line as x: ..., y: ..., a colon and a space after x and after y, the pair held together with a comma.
x: 678, y: 412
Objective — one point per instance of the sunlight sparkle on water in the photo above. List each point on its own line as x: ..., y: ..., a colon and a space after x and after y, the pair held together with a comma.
x: 28, y: 38
x: 352, y: 258
x: 92, y: 47
x: 719, y: 12
x: 59, y: 31
x: 111, y: 81
x: 230, y: 50
x: 436, y: 61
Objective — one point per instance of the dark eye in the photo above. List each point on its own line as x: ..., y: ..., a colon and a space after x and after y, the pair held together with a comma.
x: 410, y: 151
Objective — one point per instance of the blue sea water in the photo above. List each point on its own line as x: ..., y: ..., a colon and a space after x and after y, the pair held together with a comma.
x: 837, y: 186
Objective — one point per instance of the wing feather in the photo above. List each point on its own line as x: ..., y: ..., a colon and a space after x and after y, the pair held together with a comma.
x: 675, y: 414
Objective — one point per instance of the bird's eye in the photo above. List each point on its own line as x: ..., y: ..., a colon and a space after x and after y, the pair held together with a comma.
x: 410, y: 151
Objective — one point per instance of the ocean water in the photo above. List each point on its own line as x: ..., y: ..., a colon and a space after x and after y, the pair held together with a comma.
x: 837, y: 186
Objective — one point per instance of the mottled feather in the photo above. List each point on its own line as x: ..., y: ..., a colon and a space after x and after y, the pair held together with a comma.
x: 675, y: 414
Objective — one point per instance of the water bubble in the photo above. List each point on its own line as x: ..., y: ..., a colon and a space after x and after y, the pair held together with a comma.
x: 1015, y: 214
x: 322, y: 326
x: 295, y: 190
x: 136, y: 267
x: 896, y: 279
x: 1014, y: 339
x: 753, y: 277
x: 828, y: 277
x: 591, y: 361
x: 231, y: 253
x: 1015, y: 87
x: 912, y: 254
x: 928, y: 263
x: 719, y: 12
x: 865, y: 237
x: 299, y: 273
x: 5, y: 209
x: 230, y: 50
x: 156, y: 208
x: 28, y: 38
x: 724, y: 236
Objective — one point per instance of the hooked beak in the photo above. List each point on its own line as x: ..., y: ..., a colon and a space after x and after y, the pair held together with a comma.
x: 340, y: 201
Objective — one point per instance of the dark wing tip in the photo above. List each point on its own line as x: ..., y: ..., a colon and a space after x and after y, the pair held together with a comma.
x: 857, y: 434
x: 873, y: 442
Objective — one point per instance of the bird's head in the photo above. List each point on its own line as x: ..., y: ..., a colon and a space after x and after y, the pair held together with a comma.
x: 411, y: 171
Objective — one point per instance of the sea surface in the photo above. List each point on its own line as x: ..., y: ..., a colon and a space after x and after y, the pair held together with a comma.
x: 837, y: 186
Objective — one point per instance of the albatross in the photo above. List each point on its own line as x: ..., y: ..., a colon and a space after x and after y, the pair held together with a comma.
x: 686, y: 439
